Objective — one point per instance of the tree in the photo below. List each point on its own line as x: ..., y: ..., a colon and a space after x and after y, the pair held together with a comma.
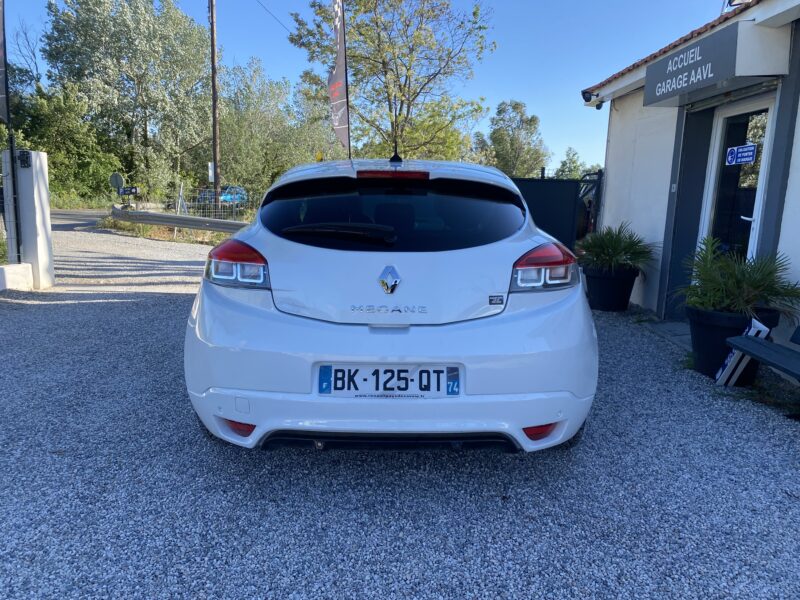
x: 268, y: 128
x: 516, y: 141
x: 756, y: 132
x: 404, y: 57
x: 54, y: 121
x: 254, y: 126
x: 25, y: 51
x: 593, y: 168
x: 482, y: 152
x: 54, y: 124
x: 143, y: 68
x: 312, y: 132
x: 572, y: 167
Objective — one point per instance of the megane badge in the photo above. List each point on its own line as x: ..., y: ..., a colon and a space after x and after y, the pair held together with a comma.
x: 389, y: 280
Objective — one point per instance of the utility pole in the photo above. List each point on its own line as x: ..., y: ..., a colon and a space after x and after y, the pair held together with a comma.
x: 10, y: 191
x: 212, y: 19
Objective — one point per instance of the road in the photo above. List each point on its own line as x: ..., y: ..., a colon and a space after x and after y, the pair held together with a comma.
x: 70, y: 220
x: 109, y: 488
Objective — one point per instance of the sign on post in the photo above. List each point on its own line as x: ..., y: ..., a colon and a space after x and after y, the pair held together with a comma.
x: 741, y: 155
x: 129, y: 191
x: 116, y: 181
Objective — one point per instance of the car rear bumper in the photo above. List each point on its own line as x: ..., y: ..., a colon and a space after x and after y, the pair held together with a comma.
x: 247, y: 362
x: 505, y: 415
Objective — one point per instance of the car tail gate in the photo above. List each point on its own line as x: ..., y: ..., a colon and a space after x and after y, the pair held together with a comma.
x: 389, y: 251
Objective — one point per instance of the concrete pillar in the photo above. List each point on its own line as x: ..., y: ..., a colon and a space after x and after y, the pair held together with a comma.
x: 33, y: 195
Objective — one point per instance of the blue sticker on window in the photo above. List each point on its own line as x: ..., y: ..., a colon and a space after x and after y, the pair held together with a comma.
x: 325, y: 379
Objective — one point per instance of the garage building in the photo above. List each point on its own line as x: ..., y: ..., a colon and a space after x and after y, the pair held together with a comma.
x: 703, y: 140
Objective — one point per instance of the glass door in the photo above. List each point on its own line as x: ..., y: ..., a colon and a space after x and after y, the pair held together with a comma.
x: 735, y: 181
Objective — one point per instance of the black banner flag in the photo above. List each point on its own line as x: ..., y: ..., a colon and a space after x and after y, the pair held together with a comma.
x: 337, y: 80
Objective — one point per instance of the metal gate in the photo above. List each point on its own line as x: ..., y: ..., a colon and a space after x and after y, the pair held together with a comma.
x: 567, y: 209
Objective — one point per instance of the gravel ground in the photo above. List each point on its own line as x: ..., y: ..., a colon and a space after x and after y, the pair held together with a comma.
x: 109, y: 488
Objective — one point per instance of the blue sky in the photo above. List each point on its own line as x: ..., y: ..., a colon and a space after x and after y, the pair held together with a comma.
x: 547, y: 51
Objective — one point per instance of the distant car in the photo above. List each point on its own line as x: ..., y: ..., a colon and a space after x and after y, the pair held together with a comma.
x: 371, y: 302
x: 231, y: 195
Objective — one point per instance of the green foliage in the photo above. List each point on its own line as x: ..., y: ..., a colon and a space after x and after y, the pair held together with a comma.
x: 79, y: 167
x: 268, y: 129
x: 74, y: 202
x: 3, y: 250
x: 131, y: 92
x: 143, y: 68
x: 615, y: 248
x: 403, y: 58
x: 127, y: 89
x: 728, y: 282
x: 593, y: 168
x: 481, y: 151
x: 572, y: 167
x: 254, y: 127
x: 312, y: 133
x: 516, y: 143
x: 439, y: 133
x: 137, y: 229
x: 156, y: 232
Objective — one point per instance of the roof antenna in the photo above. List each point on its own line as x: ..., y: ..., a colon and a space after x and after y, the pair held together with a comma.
x: 396, y: 159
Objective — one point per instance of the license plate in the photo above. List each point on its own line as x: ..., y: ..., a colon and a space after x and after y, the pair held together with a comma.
x: 381, y: 381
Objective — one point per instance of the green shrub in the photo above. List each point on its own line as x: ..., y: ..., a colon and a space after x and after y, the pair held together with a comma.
x: 728, y: 282
x: 71, y: 201
x: 615, y: 248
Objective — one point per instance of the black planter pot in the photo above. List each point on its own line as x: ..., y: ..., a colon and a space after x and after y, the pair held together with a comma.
x: 710, y: 329
x: 610, y: 290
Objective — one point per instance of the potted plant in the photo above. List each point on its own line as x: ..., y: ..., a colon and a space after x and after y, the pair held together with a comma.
x: 726, y: 292
x: 612, y: 259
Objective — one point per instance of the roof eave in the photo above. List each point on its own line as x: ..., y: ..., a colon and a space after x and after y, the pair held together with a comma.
x: 632, y: 76
x: 619, y: 87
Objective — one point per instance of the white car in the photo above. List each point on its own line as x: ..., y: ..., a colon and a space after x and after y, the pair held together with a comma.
x: 379, y: 301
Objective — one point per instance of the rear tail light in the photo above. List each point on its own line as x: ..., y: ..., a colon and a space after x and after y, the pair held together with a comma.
x: 235, y: 264
x: 539, y: 432
x: 547, y: 266
x: 239, y: 428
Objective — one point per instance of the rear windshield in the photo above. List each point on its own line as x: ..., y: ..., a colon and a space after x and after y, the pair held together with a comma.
x: 392, y: 215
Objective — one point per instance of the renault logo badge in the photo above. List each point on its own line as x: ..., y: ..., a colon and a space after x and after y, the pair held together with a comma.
x: 389, y: 280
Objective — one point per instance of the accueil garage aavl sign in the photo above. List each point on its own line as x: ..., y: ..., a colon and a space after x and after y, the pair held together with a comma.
x: 737, y: 51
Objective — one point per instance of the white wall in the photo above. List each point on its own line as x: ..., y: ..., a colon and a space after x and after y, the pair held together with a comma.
x: 789, y: 243
x: 638, y: 169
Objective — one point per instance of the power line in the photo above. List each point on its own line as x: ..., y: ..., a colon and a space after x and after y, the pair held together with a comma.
x: 272, y: 14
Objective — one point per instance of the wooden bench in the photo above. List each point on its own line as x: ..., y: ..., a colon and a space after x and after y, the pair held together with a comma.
x: 775, y: 355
